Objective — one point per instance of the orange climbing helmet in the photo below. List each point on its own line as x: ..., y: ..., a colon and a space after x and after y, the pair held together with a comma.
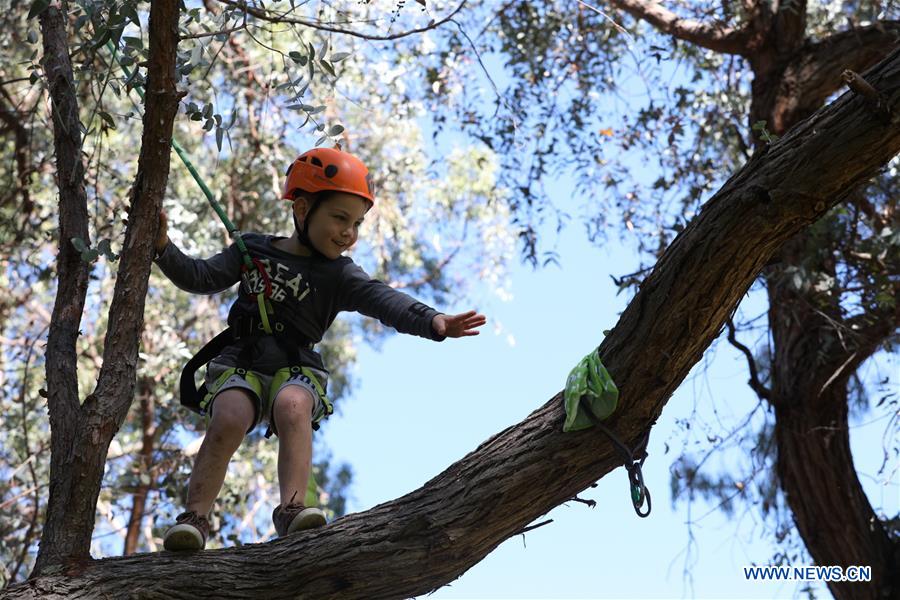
x: 328, y: 169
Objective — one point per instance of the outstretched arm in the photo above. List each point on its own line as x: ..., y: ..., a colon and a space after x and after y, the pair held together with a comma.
x: 461, y: 325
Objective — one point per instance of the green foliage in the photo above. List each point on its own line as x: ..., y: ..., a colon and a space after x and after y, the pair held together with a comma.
x: 270, y: 91
x: 37, y: 7
x: 89, y: 255
x: 760, y: 128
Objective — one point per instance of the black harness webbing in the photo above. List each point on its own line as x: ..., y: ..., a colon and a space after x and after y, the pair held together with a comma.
x: 190, y: 395
x: 245, y: 332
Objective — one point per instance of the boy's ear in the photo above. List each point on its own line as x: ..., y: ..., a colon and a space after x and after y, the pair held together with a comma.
x: 301, y: 206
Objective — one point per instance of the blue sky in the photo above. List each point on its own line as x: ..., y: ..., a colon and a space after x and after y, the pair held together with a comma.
x: 419, y: 406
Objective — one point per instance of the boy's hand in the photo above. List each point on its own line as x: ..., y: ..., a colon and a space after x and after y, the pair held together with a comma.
x: 460, y: 325
x: 162, y: 238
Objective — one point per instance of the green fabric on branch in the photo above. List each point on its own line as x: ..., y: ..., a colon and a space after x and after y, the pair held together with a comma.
x: 590, y: 379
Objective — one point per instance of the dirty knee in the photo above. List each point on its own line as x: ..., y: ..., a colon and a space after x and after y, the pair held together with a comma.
x: 230, y: 419
x: 293, y: 407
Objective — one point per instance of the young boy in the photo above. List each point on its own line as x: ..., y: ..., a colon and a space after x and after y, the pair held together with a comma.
x: 278, y: 378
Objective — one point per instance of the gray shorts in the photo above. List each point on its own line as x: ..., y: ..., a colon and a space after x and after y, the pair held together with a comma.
x: 264, y: 388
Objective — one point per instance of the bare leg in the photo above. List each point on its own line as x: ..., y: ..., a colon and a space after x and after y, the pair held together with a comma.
x: 293, y: 420
x: 232, y: 415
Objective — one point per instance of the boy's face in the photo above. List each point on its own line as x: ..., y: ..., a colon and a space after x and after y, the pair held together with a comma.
x: 335, y: 224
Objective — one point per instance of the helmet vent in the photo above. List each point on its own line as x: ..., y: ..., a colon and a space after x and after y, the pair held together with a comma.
x: 314, y: 160
x: 302, y: 159
x: 331, y: 171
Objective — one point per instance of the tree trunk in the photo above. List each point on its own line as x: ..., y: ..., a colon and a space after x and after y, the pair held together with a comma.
x: 816, y: 471
x: 431, y: 536
x: 80, y: 435
x: 72, y: 275
x: 145, y: 467
x: 815, y: 466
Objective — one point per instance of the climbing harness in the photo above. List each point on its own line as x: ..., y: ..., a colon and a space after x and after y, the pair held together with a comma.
x: 590, y: 396
x: 244, y: 333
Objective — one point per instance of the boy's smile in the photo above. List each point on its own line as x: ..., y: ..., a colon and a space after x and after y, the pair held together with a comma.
x: 334, y: 226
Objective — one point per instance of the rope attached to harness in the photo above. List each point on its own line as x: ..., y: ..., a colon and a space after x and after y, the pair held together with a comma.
x: 249, y: 263
x: 590, y: 396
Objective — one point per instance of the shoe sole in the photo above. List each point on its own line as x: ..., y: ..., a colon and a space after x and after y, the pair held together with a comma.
x: 309, y: 518
x: 181, y: 538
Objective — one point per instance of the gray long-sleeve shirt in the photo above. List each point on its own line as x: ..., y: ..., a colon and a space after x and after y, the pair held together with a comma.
x: 307, y: 294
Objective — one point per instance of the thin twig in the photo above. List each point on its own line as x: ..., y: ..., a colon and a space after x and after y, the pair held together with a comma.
x: 618, y: 27
x: 195, y: 36
x: 762, y: 391
x: 531, y: 527
x: 265, y: 16
x: 590, y: 503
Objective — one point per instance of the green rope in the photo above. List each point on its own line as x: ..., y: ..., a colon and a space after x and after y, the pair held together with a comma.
x: 264, y: 305
x: 182, y: 154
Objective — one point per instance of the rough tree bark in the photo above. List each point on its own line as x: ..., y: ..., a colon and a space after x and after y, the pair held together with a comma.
x: 815, y: 466
x: 72, y: 277
x: 457, y: 518
x: 793, y: 77
x: 809, y: 378
x: 80, y: 434
x: 144, y: 466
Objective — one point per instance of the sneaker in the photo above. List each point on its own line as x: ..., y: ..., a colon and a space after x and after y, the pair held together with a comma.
x: 189, y: 532
x: 295, y: 517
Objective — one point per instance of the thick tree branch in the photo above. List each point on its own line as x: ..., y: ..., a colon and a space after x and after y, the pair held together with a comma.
x: 817, y: 474
x: 814, y: 73
x: 461, y: 515
x: 789, y: 26
x: 72, y: 276
x: 720, y: 39
x: 83, y: 439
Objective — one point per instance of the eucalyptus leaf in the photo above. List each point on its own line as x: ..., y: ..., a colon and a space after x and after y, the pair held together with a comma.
x: 107, y: 118
x: 328, y: 68
x: 129, y: 11
x: 37, y: 7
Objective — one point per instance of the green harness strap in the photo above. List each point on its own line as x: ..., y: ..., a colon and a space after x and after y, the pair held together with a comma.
x: 249, y: 263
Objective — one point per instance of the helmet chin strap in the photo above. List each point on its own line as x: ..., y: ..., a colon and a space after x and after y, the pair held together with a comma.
x: 303, y: 234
